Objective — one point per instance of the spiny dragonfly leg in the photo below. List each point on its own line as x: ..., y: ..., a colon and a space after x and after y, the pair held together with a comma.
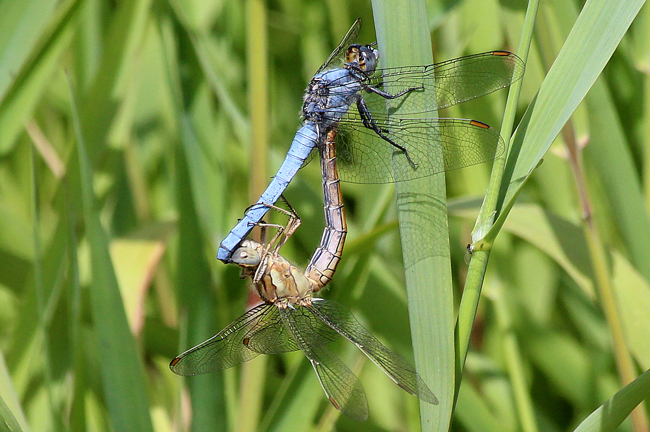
x: 283, y: 231
x: 369, y: 122
x: 268, y: 249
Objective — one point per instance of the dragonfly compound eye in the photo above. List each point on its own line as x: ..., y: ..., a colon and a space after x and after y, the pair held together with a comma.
x: 352, y: 55
x: 364, y: 57
x: 369, y: 58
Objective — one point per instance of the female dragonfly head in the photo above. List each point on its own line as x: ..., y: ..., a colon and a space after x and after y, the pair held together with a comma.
x: 365, y: 57
x: 247, y: 255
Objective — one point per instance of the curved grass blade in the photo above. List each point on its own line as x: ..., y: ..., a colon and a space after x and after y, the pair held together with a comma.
x: 610, y: 415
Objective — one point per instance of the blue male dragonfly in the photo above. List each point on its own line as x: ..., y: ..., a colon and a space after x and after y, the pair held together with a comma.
x: 373, y: 144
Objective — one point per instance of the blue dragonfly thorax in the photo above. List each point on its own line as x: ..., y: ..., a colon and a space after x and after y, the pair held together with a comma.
x: 331, y: 92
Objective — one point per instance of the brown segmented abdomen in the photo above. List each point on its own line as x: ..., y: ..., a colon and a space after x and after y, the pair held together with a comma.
x: 322, y: 266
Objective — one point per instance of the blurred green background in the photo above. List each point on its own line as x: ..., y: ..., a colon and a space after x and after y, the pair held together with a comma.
x: 134, y: 133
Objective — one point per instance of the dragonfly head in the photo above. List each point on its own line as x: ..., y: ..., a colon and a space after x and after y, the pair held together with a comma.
x: 365, y: 57
x: 246, y: 255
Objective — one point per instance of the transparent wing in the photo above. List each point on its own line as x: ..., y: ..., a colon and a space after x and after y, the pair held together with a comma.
x: 277, y: 339
x: 228, y: 347
x: 434, y: 145
x: 336, y: 58
x: 342, y: 388
x: 443, y: 84
x: 402, y: 373
x: 365, y: 157
x: 271, y: 338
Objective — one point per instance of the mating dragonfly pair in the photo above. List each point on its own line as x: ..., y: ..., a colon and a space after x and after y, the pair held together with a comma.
x: 363, y: 117
x: 291, y: 319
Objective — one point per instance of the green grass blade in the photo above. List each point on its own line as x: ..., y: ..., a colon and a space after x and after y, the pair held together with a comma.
x: 199, y: 217
x: 25, y: 85
x: 8, y: 422
x: 404, y: 39
x: 594, y: 37
x: 611, y: 414
x: 478, y: 264
x: 254, y: 373
x: 633, y: 299
x: 122, y: 371
x: 39, y: 288
x: 21, y: 24
x: 609, y: 155
x: 11, y: 414
x: 197, y: 300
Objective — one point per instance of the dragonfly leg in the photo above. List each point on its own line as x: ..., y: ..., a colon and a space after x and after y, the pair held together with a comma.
x: 388, y: 95
x: 283, y: 231
x: 291, y: 212
x: 369, y: 122
x: 263, y: 225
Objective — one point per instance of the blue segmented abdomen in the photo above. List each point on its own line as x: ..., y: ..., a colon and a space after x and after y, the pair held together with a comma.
x: 303, y: 143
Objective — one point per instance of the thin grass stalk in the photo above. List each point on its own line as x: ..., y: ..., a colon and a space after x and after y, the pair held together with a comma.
x: 77, y: 410
x: 642, y: 63
x: 489, y: 211
x: 404, y: 39
x: 646, y: 121
x: 643, y: 47
x: 39, y: 287
x: 602, y: 272
x: 514, y: 363
x: 169, y: 52
x: 254, y: 373
x: 258, y: 94
x: 624, y: 363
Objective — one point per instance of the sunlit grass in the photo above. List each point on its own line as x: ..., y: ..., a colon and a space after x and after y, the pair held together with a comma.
x: 126, y: 155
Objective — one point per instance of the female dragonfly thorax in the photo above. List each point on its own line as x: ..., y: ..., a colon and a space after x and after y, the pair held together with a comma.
x: 274, y: 278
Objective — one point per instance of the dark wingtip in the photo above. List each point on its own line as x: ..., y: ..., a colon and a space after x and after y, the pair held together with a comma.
x: 479, y: 124
x: 173, y: 363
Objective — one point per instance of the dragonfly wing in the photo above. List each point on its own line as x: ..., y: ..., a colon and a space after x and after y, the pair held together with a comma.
x: 444, y: 84
x: 402, y: 373
x: 341, y: 386
x: 337, y: 57
x: 435, y: 145
x: 272, y: 337
x: 228, y: 347
x: 277, y: 338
